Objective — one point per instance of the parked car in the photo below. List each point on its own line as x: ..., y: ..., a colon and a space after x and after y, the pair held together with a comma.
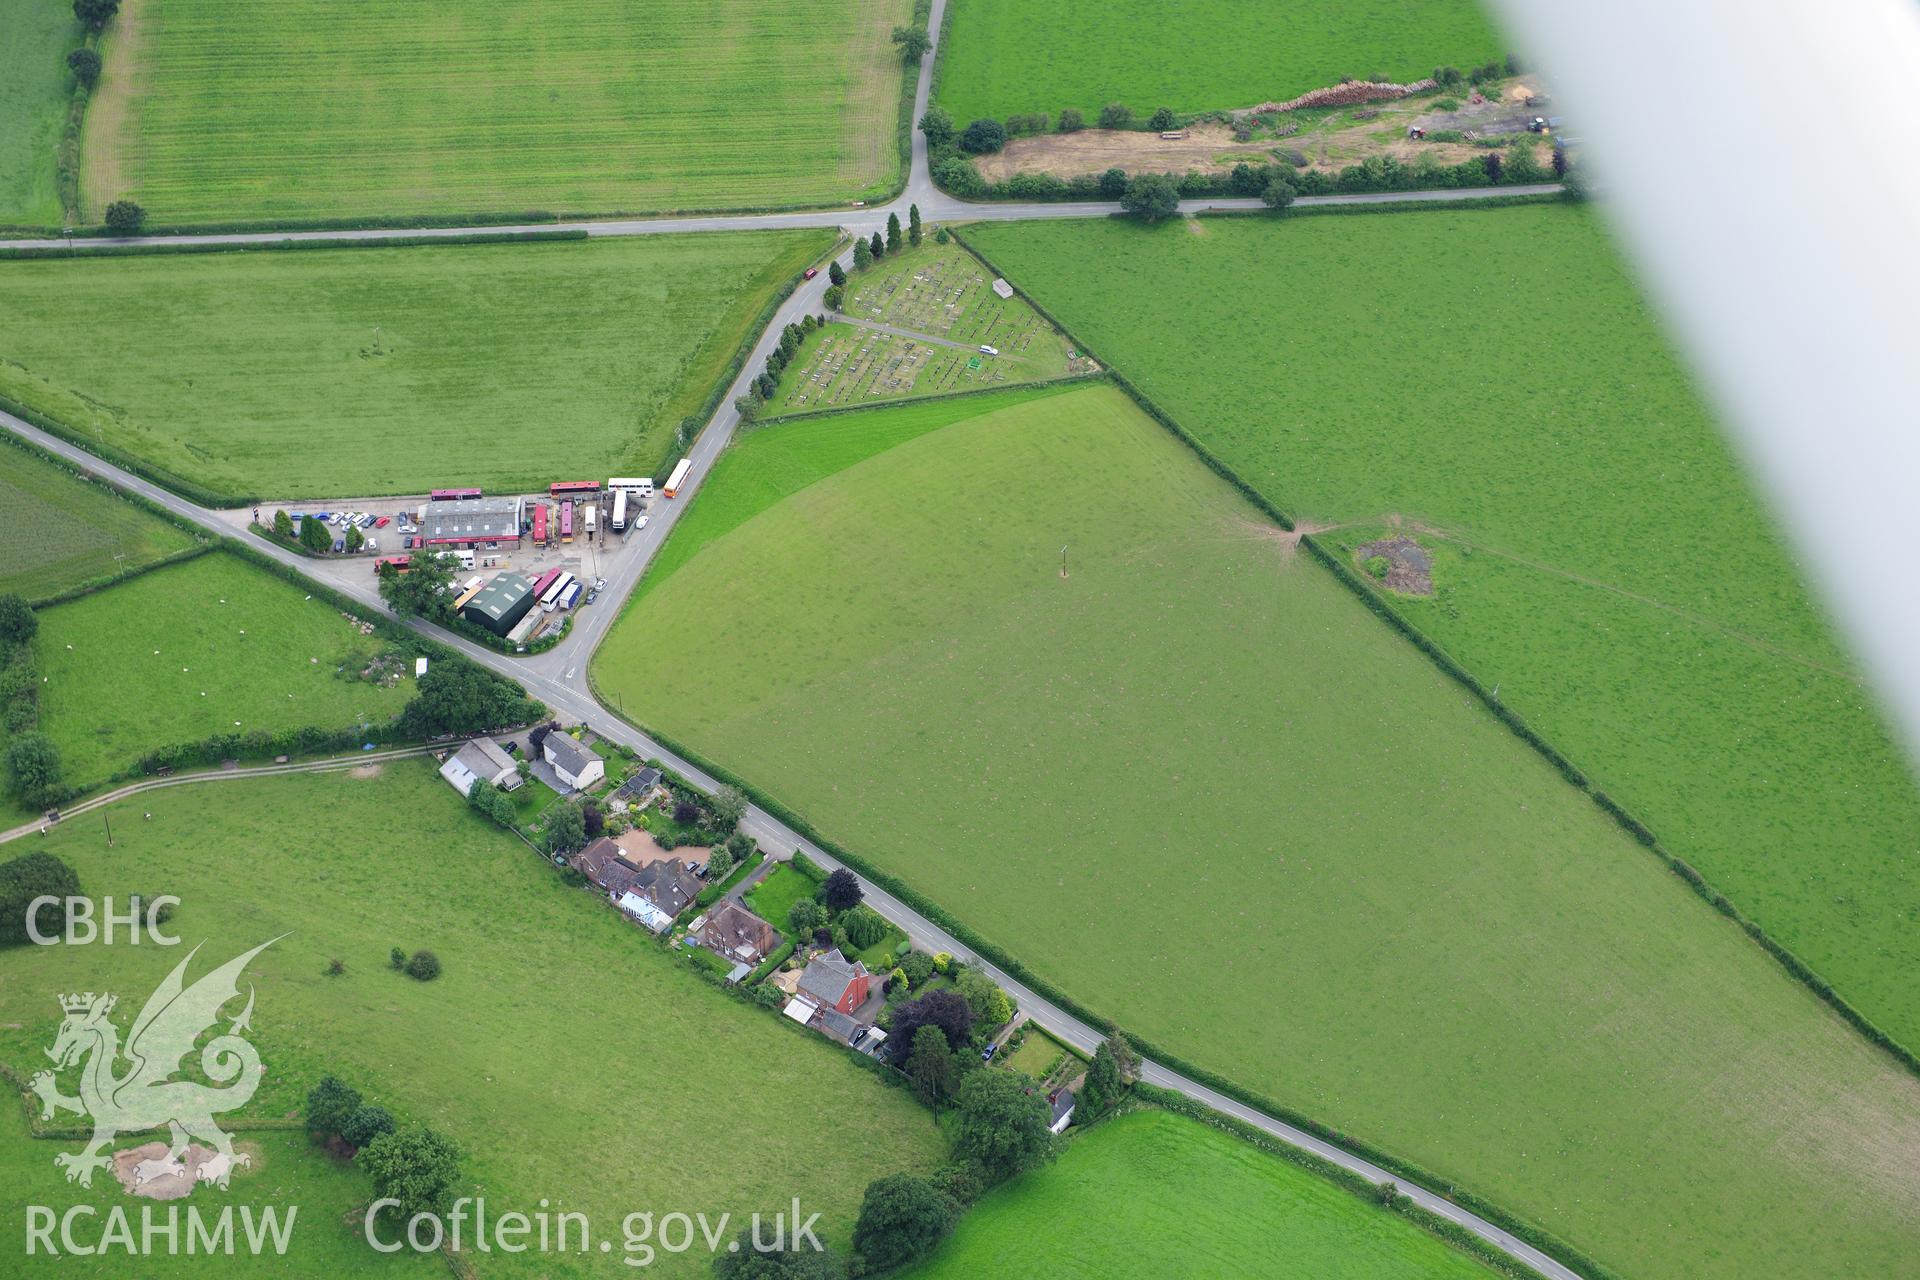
x: 811, y: 273
x: 339, y: 545
x: 366, y: 522
x: 986, y: 1054
x: 599, y: 584
x: 383, y: 522
x: 640, y: 524
x: 372, y: 544
x: 986, y: 350
x: 408, y: 526
x: 593, y: 595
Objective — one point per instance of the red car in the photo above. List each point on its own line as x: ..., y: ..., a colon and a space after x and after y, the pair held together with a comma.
x: 811, y: 273
x: 383, y: 522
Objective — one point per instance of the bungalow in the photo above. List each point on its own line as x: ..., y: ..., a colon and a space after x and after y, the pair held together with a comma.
x: 833, y: 982
x: 1061, y: 1105
x: 480, y: 760
x: 577, y: 766
x: 738, y: 934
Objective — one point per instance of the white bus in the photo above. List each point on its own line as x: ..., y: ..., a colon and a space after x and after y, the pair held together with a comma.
x: 642, y: 485
x: 678, y: 478
x: 573, y: 593
x: 589, y: 516
x: 619, y: 510
x: 560, y: 584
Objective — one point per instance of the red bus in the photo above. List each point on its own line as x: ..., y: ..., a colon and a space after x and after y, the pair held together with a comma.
x: 539, y: 524
x: 452, y: 495
x: 544, y: 581
x: 400, y: 564
x: 566, y: 522
x: 561, y: 488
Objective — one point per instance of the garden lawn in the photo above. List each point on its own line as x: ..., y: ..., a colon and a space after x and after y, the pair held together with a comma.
x: 1201, y: 788
x: 214, y: 110
x: 1493, y: 381
x: 775, y: 896
x: 565, y: 1052
x: 314, y: 373
x: 35, y: 36
x: 61, y: 531
x: 189, y: 651
x: 1154, y: 1194
x: 1002, y: 57
x: 1036, y: 1055
x: 289, y: 1175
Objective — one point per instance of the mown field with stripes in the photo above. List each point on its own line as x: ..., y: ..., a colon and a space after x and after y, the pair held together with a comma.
x: 216, y: 110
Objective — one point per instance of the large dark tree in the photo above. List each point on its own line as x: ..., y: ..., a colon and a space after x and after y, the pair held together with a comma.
x: 315, y: 536
x: 1278, y: 194
x: 836, y: 274
x: 18, y: 623
x: 366, y: 1123
x: 982, y: 137
x: 329, y: 1105
x: 30, y: 876
x: 913, y: 225
x: 566, y: 828
x: 877, y: 247
x: 797, y: 1260
x: 938, y: 126
x: 893, y: 233
x: 946, y: 1009
x: 94, y: 14
x: 1162, y: 119
x: 1113, y: 183
x: 930, y: 1067
x: 1103, y: 1085
x: 85, y: 65
x: 124, y: 217
x: 902, y: 1218
x: 32, y: 767
x: 417, y: 1167
x: 841, y: 891
x: 456, y: 696
x: 1002, y: 1126
x: 419, y: 592
x: 1151, y: 197
x: 913, y: 41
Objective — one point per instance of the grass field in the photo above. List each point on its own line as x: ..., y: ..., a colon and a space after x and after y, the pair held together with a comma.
x: 570, y: 1058
x: 192, y: 650
x: 1493, y: 380
x: 1196, y: 784
x: 35, y: 36
x: 61, y: 531
x: 367, y: 371
x: 213, y: 110
x: 1154, y: 1194
x: 288, y: 1173
x: 774, y: 897
x: 1001, y: 57
x: 940, y: 292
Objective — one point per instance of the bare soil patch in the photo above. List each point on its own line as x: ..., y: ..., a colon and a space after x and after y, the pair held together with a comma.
x: 366, y: 771
x: 1067, y: 155
x: 1409, y: 565
x: 640, y: 848
x: 144, y: 1170
x: 105, y: 131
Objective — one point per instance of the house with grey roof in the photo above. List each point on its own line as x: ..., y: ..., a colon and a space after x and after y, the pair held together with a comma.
x: 833, y: 982
x: 576, y: 765
x: 480, y: 760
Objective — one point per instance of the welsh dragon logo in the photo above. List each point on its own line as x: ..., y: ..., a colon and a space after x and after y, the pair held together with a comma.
x: 145, y: 1095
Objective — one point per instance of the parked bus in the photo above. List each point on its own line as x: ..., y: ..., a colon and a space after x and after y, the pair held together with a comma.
x: 399, y: 564
x: 452, y: 495
x: 570, y: 595
x: 539, y: 524
x: 678, y: 478
x: 555, y: 591
x: 619, y: 510
x: 544, y: 581
x: 566, y: 522
x: 642, y: 485
x: 561, y: 488
x: 589, y: 517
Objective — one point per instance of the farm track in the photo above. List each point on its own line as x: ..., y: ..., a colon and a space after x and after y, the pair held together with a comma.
x: 559, y: 676
x: 330, y: 764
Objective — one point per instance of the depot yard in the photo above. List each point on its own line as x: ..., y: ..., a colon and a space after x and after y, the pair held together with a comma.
x: 542, y: 989
x: 1196, y: 767
x: 222, y: 110
x: 1002, y: 57
x: 1598, y: 554
x: 63, y: 531
x: 1147, y: 1194
x: 965, y: 336
x: 298, y: 374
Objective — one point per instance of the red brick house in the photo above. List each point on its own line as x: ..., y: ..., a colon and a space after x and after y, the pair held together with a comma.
x: 834, y: 982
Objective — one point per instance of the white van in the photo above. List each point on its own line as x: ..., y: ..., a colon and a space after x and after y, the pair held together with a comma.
x: 986, y: 350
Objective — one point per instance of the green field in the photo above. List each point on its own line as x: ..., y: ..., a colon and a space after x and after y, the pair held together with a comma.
x: 321, y: 373
x: 570, y: 1057
x: 61, y: 531
x: 1152, y: 1194
x: 35, y: 36
x: 1200, y: 787
x: 942, y: 294
x: 193, y: 650
x: 774, y: 897
x: 213, y: 110
x: 1001, y: 57
x: 288, y: 1173
x: 1494, y: 381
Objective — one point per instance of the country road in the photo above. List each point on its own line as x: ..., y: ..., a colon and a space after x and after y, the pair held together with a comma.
x: 559, y: 676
